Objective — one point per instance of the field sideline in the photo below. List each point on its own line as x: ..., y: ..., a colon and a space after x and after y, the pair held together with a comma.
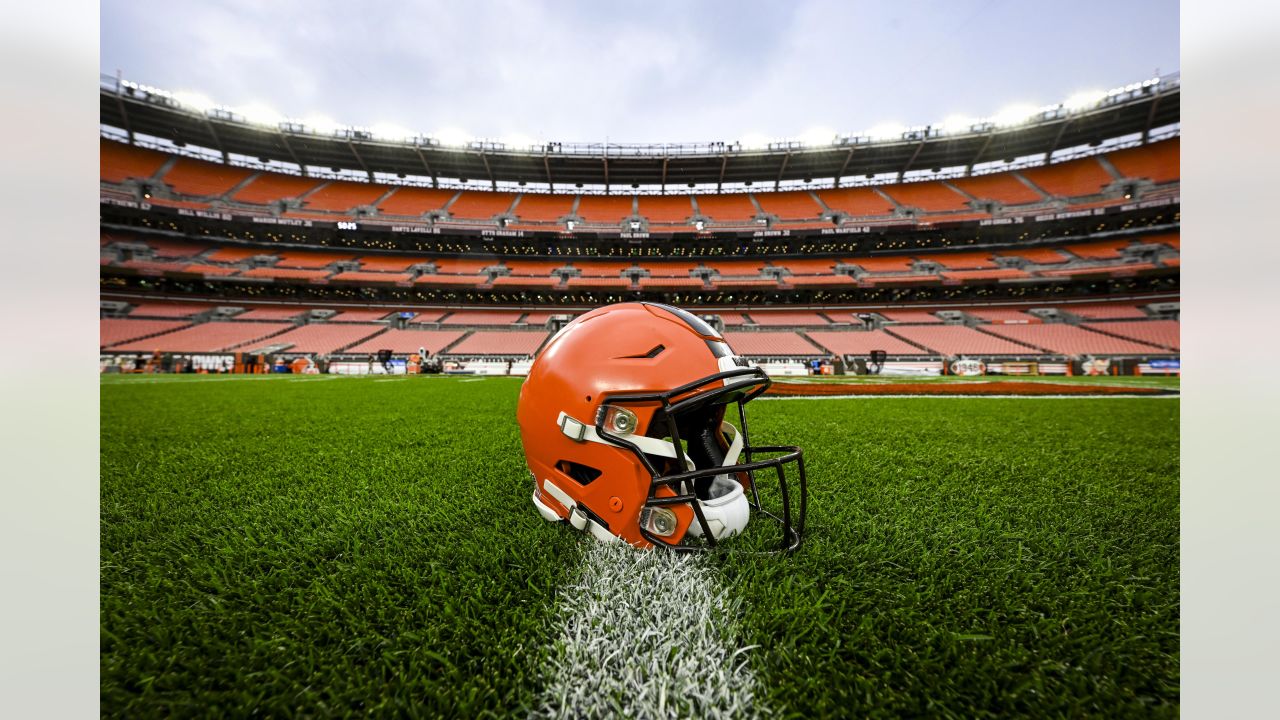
x: 317, y: 545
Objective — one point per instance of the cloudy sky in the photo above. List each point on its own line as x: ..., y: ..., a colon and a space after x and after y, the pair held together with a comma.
x: 637, y: 70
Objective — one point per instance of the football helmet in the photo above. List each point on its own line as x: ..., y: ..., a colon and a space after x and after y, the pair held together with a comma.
x: 623, y: 421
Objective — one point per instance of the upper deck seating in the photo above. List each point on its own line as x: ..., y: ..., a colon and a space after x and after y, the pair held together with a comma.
x: 480, y: 205
x: 979, y: 260
x: 1099, y: 249
x: 1158, y: 162
x: 415, y: 201
x: 1004, y: 188
x: 1071, y: 340
x: 895, y: 263
x: 1002, y: 315
x: 311, y: 259
x: 736, y: 209
x: 118, y: 162
x: 1039, y: 256
x: 775, y: 344
x: 463, y: 265
x: 167, y: 309
x: 200, y: 178
x: 285, y: 273
x: 858, y: 202
x: 360, y: 315
x: 846, y: 342
x: 267, y: 188
x: 1105, y: 311
x: 270, y: 313
x: 665, y: 208
x: 928, y: 196
x: 388, y: 263
x: 344, y: 196
x: 543, y: 207
x: 791, y: 205
x: 910, y: 316
x: 1073, y: 178
x: 951, y: 340
x: 604, y: 209
x: 361, y: 276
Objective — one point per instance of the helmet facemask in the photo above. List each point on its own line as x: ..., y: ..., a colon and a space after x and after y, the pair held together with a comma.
x: 714, y: 468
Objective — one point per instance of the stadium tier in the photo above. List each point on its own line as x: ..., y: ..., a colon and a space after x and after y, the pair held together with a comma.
x: 771, y: 344
x: 953, y: 340
x: 862, y: 343
x: 1161, y: 333
x: 114, y: 331
x: 484, y: 343
x: 1070, y: 340
x: 408, y: 341
x: 207, y: 337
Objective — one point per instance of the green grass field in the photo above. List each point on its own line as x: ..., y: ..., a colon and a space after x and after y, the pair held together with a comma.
x: 322, y: 546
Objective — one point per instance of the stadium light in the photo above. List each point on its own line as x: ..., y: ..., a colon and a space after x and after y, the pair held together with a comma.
x: 261, y: 115
x: 887, y: 131
x: 816, y: 137
x: 1084, y: 100
x: 517, y: 141
x: 321, y: 125
x: 194, y: 101
x: 955, y: 124
x: 754, y: 141
x: 453, y: 137
x: 1014, y: 115
x: 395, y: 133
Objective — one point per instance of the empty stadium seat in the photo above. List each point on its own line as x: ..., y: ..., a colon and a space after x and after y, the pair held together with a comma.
x: 119, y: 162
x: 267, y: 188
x: 604, y: 209
x: 787, y: 318
x: 858, y: 202
x: 1158, y: 162
x: 734, y: 209
x: 482, y: 317
x: 1072, y: 340
x: 793, y: 205
x: 1004, y: 188
x: 775, y: 344
x: 113, y: 331
x: 541, y: 207
x: 326, y: 338
x: 480, y: 205
x: 492, y: 342
x: 1073, y: 178
x: 952, y: 340
x: 665, y: 208
x: 1162, y: 333
x: 927, y: 196
x: 415, y: 201
x: 855, y: 342
x: 344, y: 196
x: 204, y: 179
x: 206, y: 337
x: 408, y: 341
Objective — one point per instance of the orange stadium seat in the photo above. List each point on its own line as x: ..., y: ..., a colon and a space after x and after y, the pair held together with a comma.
x: 532, y: 267
x: 855, y: 342
x: 810, y: 266
x: 1161, y: 333
x: 670, y: 268
x: 1072, y: 340
x: 207, y: 337
x: 543, y: 207
x: 784, y: 318
x: 1039, y: 256
x: 858, y: 202
x: 271, y: 313
x: 1002, y: 316
x: 408, y: 341
x: 775, y: 344
x: 119, y: 162
x: 894, y: 263
x: 167, y: 310
x: 112, y: 331
x: 360, y: 315
x: 728, y: 209
x: 493, y: 342
x: 371, y: 277
x: 1158, y: 162
x: 910, y: 316
x: 304, y: 259
x: 541, y: 317
x: 670, y: 283
x: 482, y: 317
x: 1099, y: 249
x: 428, y: 316
x: 602, y: 268
x: 1000, y: 274
x: 236, y: 254
x: 873, y: 280
x: 270, y: 187
x: 480, y: 205
x: 1002, y: 187
x: 204, y: 179
x: 524, y: 281
x: 326, y: 338
x: 1073, y: 178
x: 1105, y: 311
x: 666, y: 208
x: 344, y: 195
x: 793, y: 205
x: 598, y: 282
x: 818, y: 280
x: 414, y: 201
x: 962, y: 260
x: 451, y: 280
x: 388, y: 263
x: 928, y: 196
x: 749, y: 268
x: 285, y: 273
x: 604, y: 209
x: 468, y: 266
x: 959, y: 340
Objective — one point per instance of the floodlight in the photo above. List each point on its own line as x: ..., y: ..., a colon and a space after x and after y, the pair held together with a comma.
x: 1084, y: 100
x: 955, y: 124
x: 754, y: 141
x: 194, y: 101
x: 321, y: 125
x: 815, y: 137
x: 887, y: 131
x: 516, y: 141
x: 385, y: 131
x: 1014, y: 115
x: 260, y: 115
x: 452, y: 136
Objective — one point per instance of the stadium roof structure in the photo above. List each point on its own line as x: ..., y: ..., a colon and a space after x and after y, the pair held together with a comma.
x: 1133, y: 110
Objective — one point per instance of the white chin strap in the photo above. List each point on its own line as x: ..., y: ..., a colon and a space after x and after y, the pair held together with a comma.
x: 726, y: 511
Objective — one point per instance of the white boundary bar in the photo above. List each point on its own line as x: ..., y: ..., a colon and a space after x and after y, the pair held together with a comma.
x: 646, y: 634
x: 872, y: 396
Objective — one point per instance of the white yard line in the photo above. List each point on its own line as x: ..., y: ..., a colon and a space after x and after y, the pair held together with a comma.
x: 646, y: 634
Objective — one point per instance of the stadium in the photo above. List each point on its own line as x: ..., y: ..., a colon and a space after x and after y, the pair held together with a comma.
x: 314, y: 494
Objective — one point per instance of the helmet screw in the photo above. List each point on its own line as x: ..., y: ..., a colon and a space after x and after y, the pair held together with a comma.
x: 615, y: 504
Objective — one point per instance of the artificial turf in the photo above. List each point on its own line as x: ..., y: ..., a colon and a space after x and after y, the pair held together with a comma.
x: 321, y: 546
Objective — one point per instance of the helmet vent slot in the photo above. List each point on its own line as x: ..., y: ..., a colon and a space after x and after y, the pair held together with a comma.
x: 581, y: 474
x: 653, y: 353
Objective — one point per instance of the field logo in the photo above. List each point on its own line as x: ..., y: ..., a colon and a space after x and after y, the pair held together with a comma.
x: 1096, y: 366
x: 968, y: 367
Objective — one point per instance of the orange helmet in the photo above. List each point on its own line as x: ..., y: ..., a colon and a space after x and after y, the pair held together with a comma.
x: 623, y: 422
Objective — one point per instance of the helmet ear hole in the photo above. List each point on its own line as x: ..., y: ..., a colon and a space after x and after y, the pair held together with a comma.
x: 581, y: 474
